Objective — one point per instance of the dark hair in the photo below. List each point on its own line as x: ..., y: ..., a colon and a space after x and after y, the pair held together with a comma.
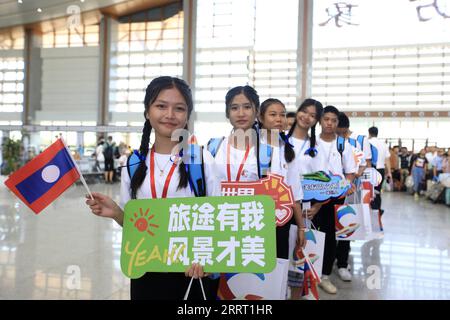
x: 373, y: 131
x: 247, y: 91
x: 290, y: 114
x: 289, y: 153
x: 264, y: 106
x: 344, y: 122
x: 330, y: 109
x: 267, y: 103
x: 152, y: 92
x: 251, y: 94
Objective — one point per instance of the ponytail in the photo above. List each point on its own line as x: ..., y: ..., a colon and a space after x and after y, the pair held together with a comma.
x: 289, y: 153
x: 312, y: 142
x: 182, y: 170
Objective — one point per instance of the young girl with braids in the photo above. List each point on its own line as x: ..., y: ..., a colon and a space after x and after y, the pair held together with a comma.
x: 160, y: 174
x: 302, y: 149
x: 272, y: 118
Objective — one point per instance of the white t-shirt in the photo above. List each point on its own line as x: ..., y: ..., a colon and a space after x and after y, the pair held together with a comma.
x: 365, y: 147
x: 430, y: 157
x: 287, y: 170
x: 383, y: 151
x: 99, y: 153
x: 249, y: 171
x: 161, y: 160
x: 329, y: 159
x: 304, y: 162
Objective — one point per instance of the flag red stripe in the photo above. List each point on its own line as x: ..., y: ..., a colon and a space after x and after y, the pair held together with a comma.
x: 65, y: 182
x: 34, y: 165
x: 13, y: 188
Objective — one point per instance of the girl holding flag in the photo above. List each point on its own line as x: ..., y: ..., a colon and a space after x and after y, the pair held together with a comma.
x: 161, y: 173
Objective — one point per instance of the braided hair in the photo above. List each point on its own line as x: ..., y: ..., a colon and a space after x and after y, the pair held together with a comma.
x: 152, y: 92
x: 289, y: 153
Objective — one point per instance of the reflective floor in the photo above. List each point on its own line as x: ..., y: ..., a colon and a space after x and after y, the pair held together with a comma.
x: 41, y: 257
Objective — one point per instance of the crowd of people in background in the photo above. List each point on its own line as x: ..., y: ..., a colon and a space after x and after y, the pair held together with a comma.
x: 110, y: 158
x: 426, y: 165
x: 297, y: 149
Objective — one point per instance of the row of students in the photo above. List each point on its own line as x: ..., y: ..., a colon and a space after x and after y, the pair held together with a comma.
x: 168, y: 105
x: 324, y: 153
x: 361, y: 143
x: 161, y: 172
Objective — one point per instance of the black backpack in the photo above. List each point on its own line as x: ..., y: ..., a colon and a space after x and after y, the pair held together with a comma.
x: 108, y: 151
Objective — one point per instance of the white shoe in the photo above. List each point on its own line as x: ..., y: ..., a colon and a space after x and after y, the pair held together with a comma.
x: 326, y: 285
x: 344, y: 274
x: 309, y: 296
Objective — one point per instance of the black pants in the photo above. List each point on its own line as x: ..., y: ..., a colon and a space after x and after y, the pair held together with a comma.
x: 109, y: 165
x: 376, y: 203
x: 342, y: 252
x: 282, y: 236
x: 171, y: 286
x: 324, y: 221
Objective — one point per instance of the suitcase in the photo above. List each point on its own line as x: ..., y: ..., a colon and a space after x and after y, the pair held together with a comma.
x: 436, y: 192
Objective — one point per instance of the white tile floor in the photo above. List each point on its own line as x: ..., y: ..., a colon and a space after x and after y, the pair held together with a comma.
x: 40, y: 254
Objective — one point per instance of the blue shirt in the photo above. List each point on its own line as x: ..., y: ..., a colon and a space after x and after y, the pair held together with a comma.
x: 437, y: 162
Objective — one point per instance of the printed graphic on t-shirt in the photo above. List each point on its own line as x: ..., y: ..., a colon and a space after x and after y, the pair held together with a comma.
x: 420, y: 162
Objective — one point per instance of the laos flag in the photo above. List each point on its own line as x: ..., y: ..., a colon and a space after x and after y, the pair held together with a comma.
x: 45, y: 178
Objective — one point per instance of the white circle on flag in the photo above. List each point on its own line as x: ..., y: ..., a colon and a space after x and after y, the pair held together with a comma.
x: 50, y: 173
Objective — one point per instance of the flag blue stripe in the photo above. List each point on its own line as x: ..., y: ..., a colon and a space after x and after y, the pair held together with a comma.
x: 33, y: 187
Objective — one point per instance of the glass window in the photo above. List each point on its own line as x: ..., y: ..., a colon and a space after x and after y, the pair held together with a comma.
x: 243, y: 42
x: 140, y: 52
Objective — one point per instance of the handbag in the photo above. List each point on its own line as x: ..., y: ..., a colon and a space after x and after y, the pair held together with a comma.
x: 409, y: 182
x: 314, y: 250
x: 255, y: 286
x: 353, y: 220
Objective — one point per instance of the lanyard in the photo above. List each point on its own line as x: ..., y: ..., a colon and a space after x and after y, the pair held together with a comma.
x: 152, y: 176
x: 241, y: 166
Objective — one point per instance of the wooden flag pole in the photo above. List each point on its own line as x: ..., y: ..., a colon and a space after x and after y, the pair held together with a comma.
x: 78, y: 169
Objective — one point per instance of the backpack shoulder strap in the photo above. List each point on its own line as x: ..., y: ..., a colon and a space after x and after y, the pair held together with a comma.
x: 214, y: 145
x: 340, y: 145
x: 374, y: 152
x: 133, y: 162
x: 360, y: 139
x: 196, y: 170
x: 352, y: 142
x: 264, y: 159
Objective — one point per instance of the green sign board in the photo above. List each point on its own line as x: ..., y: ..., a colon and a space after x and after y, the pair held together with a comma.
x: 224, y: 234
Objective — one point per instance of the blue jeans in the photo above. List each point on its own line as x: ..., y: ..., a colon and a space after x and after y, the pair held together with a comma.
x: 418, y: 175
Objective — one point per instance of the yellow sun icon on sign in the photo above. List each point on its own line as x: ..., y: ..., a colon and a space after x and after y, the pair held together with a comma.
x: 275, y: 187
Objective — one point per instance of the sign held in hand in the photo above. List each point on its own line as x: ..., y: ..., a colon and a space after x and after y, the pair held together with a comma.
x: 223, y: 234
x: 273, y: 185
